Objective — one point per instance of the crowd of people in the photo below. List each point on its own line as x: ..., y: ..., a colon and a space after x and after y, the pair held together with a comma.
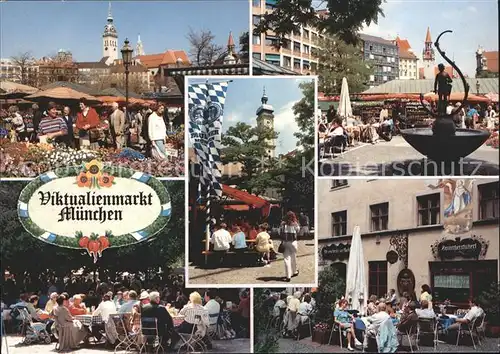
x: 241, y: 237
x: 117, y: 127
x: 337, y: 133
x: 63, y: 314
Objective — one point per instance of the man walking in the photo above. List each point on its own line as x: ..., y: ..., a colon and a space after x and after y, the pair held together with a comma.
x: 117, y: 126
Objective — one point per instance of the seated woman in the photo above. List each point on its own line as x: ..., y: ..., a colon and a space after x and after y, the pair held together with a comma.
x: 409, y: 319
x: 305, y: 309
x: 239, y: 240
x: 70, y: 332
x: 77, y: 308
x: 371, y: 307
x: 336, y: 137
x: 290, y: 321
x: 195, y: 315
x: 344, y: 320
x: 263, y: 243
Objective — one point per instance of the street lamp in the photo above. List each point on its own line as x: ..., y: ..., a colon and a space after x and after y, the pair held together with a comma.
x: 127, y: 60
x: 478, y: 85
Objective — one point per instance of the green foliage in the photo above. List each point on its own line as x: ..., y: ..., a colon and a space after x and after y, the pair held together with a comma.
x: 265, y: 338
x: 339, y: 59
x: 24, y: 254
x: 331, y: 288
x: 248, y: 145
x: 304, y: 116
x: 344, y: 19
x: 244, y: 47
x: 489, y: 301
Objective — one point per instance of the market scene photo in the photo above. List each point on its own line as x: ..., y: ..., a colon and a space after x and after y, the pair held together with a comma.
x: 416, y: 271
x: 402, y: 91
x: 61, y: 298
x: 111, y: 88
x: 251, y: 181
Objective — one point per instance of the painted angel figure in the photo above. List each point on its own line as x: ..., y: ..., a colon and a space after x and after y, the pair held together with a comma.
x: 460, y: 199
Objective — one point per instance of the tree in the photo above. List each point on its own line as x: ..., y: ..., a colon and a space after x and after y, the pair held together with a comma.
x: 331, y: 288
x: 244, y: 47
x: 337, y: 60
x: 203, y: 50
x: 26, y: 74
x: 265, y: 337
x: 343, y: 18
x: 248, y: 146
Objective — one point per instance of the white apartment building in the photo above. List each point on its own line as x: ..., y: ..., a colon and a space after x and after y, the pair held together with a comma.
x: 11, y: 71
x: 297, y: 55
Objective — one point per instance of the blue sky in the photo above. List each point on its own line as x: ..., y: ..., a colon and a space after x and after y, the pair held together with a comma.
x: 243, y: 98
x: 473, y: 23
x: 44, y: 27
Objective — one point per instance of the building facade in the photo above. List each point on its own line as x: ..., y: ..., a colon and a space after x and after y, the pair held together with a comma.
x: 10, y: 70
x: 94, y: 73
x: 299, y: 52
x: 402, y: 231
x: 486, y: 61
x: 382, y: 55
x: 408, y: 61
x: 58, y: 68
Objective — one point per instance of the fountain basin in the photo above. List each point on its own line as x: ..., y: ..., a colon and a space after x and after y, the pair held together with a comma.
x: 445, y: 148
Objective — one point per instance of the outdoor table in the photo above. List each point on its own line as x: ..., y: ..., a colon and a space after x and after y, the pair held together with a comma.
x: 177, y: 320
x: 89, y: 320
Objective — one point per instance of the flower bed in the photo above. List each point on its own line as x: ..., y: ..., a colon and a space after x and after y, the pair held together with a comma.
x: 31, y: 160
x: 321, y: 333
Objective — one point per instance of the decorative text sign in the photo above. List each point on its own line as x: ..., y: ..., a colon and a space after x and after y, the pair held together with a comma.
x: 473, y: 247
x: 336, y: 252
x: 94, y: 207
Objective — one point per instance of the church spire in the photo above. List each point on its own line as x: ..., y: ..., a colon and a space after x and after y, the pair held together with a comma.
x: 110, y: 16
x: 139, y: 48
x: 428, y: 35
x: 264, y: 98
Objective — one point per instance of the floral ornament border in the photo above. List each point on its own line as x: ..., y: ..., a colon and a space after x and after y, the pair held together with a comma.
x: 115, y: 240
x: 485, y: 244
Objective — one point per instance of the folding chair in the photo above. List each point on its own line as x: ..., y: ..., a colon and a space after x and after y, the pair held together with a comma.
x: 335, y: 328
x: 195, y: 338
x: 149, y: 331
x: 470, y: 329
x: 412, y: 332
x: 212, y: 328
x: 126, y: 338
x: 481, y: 329
x: 309, y: 323
x: 428, y: 326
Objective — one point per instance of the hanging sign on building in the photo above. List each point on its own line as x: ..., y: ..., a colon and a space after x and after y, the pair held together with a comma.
x: 335, y: 252
x: 474, y: 247
x: 457, y: 201
x: 406, y: 282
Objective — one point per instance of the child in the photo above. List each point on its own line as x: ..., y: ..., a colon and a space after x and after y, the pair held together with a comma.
x: 263, y: 243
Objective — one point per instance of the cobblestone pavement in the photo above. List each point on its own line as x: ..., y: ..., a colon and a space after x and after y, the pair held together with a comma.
x: 490, y: 345
x: 260, y: 275
x: 221, y: 346
x: 398, y: 158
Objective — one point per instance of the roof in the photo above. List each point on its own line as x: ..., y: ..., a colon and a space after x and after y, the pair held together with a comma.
x: 10, y: 87
x: 92, y: 65
x: 167, y: 58
x: 428, y: 35
x: 404, y: 48
x: 261, y: 67
x: 369, y: 38
x: 230, y: 40
x: 118, y: 69
x: 425, y: 86
x: 116, y: 92
x: 71, y: 85
x: 491, y: 61
x: 449, y: 69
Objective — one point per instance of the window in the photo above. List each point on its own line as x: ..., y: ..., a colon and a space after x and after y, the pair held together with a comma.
x: 339, y: 223
x: 388, y: 59
x: 380, y: 216
x: 371, y: 48
x: 256, y: 3
x: 287, y: 62
x: 256, y: 20
x: 271, y: 41
x: 273, y: 59
x: 296, y: 33
x: 256, y: 55
x: 296, y: 63
x: 296, y: 46
x: 256, y: 39
x: 306, y: 34
x: 306, y: 65
x: 270, y: 4
x: 336, y: 183
x: 385, y: 78
x: 306, y: 49
x: 383, y: 50
x: 488, y: 200
x: 377, y: 278
x: 371, y: 56
x: 372, y: 78
x: 428, y: 209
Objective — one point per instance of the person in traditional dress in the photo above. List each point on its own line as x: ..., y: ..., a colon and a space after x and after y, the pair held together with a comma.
x: 157, y: 132
x: 461, y: 198
x: 70, y: 332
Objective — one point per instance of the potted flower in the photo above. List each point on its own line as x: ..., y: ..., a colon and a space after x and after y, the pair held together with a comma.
x: 321, y: 333
x: 489, y: 302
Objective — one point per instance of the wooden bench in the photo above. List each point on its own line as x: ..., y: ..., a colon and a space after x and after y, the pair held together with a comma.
x: 234, y: 259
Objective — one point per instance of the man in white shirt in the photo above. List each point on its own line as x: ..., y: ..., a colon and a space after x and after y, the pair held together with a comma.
x: 221, y: 239
x: 449, y: 109
x: 375, y: 321
x: 474, y: 313
x: 424, y: 311
x: 384, y: 114
x: 213, y: 308
x: 335, y: 135
x: 105, y: 309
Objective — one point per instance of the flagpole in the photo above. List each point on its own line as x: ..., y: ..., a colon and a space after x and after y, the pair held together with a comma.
x: 207, y: 226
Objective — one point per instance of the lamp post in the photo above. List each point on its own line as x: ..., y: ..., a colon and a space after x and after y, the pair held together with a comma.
x: 127, y: 60
x: 478, y: 85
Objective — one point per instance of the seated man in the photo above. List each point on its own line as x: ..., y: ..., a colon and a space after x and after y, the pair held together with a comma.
x: 424, y: 311
x: 475, y: 312
x: 336, y: 136
x: 163, y: 319
x: 129, y: 304
x: 409, y: 318
x: 213, y: 308
x: 77, y: 308
x: 375, y: 321
x: 105, y: 309
x: 221, y: 239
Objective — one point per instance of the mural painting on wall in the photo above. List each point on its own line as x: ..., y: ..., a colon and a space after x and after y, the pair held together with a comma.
x: 406, y: 282
x: 458, y: 206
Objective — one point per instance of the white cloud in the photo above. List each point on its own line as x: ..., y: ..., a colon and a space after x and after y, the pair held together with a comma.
x: 285, y: 125
x: 377, y: 30
x: 471, y: 9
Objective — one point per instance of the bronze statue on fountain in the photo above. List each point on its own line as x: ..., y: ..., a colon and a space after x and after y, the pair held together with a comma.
x: 444, y: 142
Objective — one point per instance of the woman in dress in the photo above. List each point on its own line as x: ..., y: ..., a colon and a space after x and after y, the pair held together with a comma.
x: 263, y: 243
x: 157, y: 132
x: 288, y: 232
x: 87, y: 121
x: 70, y: 332
x: 344, y: 320
x: 426, y: 294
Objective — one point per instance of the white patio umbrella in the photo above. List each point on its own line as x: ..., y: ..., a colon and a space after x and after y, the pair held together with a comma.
x: 356, y: 288
x: 345, y: 108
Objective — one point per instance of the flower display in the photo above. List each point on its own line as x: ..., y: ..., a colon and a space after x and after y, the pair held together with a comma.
x: 83, y: 180
x: 105, y: 180
x: 322, y: 326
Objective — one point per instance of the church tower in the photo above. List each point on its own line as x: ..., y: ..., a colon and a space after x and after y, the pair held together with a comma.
x: 139, y: 49
x: 265, y: 118
x: 229, y: 58
x: 428, y: 57
x: 110, y: 39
